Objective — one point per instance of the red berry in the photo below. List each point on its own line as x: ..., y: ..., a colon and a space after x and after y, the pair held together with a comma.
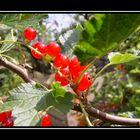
x: 29, y: 33
x: 5, y: 115
x: 75, y: 67
x: 46, y: 121
x: 62, y: 79
x: 8, y: 122
x: 85, y: 82
x: 61, y: 61
x: 42, y: 48
x: 53, y: 49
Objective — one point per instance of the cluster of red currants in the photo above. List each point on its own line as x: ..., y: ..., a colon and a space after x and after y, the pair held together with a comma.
x: 69, y: 70
x: 6, y: 119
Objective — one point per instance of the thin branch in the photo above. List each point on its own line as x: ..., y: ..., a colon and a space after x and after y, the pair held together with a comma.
x: 106, y: 66
x: 17, y: 69
x: 108, y: 117
x: 86, y: 115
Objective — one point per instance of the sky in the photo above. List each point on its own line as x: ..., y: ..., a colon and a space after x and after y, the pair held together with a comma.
x: 62, y: 21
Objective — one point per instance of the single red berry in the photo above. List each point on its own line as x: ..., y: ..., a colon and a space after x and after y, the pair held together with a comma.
x: 61, y: 78
x: 74, y: 65
x: 46, y: 121
x: 83, y: 67
x: 8, y: 122
x: 5, y: 115
x: 85, y: 82
x: 39, y: 46
x: 61, y: 61
x: 53, y: 49
x: 29, y: 33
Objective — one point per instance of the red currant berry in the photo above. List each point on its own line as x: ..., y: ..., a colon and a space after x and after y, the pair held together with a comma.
x: 61, y: 61
x: 3, y: 116
x: 53, y: 49
x: 61, y: 78
x: 83, y: 67
x: 75, y: 68
x: 85, y: 82
x: 74, y: 65
x: 42, y: 48
x: 8, y: 122
x: 29, y: 33
x: 46, y: 121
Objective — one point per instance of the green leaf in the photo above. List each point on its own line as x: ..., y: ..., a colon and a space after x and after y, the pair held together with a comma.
x: 20, y: 21
x: 117, y: 58
x: 58, y: 90
x: 9, y: 105
x: 70, y: 37
x: 26, y: 100
x: 127, y: 114
x: 7, y: 46
x: 25, y: 117
x: 4, y: 28
x: 64, y: 104
x: 105, y: 32
x: 135, y: 71
x: 137, y: 109
x: 30, y: 20
x: 86, y: 51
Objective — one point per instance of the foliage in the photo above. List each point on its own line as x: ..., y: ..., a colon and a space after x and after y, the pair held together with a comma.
x: 113, y: 36
x: 103, y: 32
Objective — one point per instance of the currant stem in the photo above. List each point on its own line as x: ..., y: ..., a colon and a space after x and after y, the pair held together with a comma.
x: 86, y: 115
x: 106, y: 66
x: 48, y: 108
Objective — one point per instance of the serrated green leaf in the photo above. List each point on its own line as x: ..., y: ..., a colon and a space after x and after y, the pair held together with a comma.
x: 28, y: 100
x: 86, y: 51
x: 58, y: 90
x: 70, y: 37
x: 23, y: 117
x: 63, y: 104
x: 7, y: 46
x: 105, y: 32
x: 9, y: 105
x: 122, y: 58
x: 20, y: 21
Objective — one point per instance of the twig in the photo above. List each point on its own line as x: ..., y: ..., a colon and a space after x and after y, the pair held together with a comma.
x: 86, y: 115
x: 17, y: 69
x: 106, y: 66
x: 105, y: 117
